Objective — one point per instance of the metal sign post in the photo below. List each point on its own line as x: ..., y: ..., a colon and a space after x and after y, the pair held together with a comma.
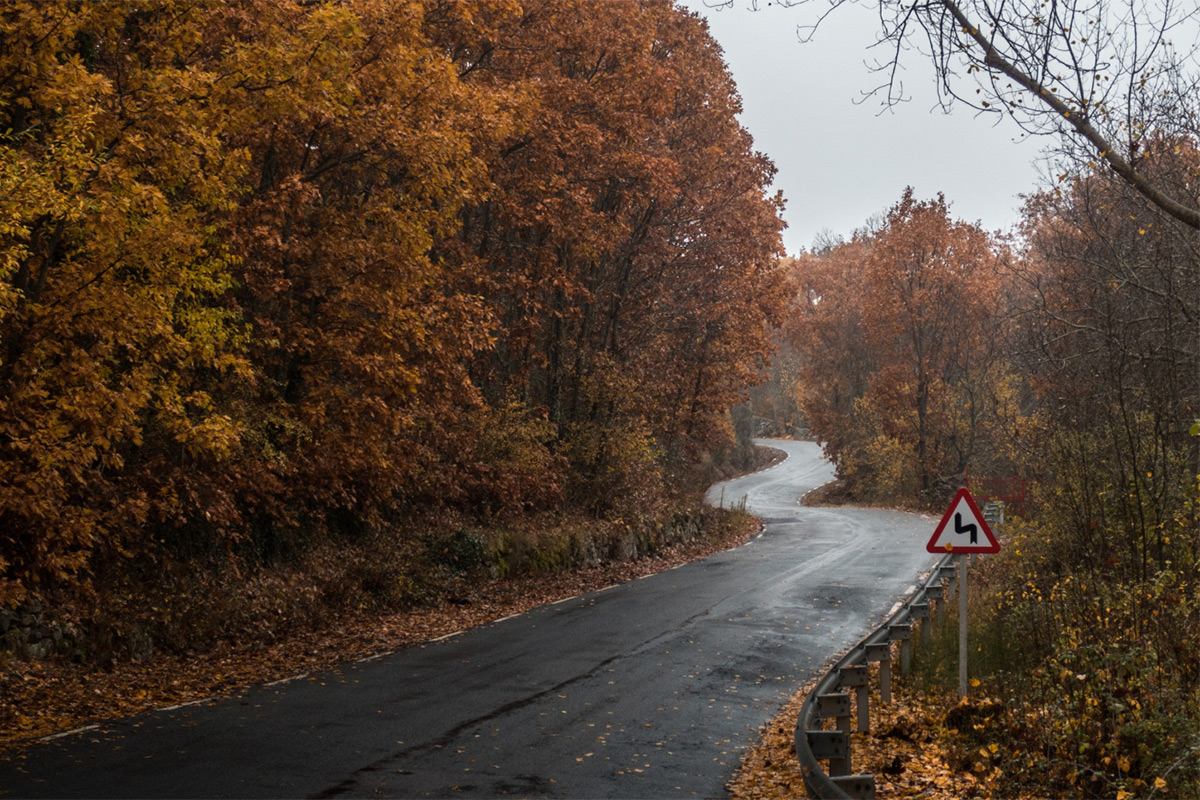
x: 963, y: 531
x: 962, y: 625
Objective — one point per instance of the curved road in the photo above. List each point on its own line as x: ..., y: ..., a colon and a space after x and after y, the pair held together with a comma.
x: 647, y: 689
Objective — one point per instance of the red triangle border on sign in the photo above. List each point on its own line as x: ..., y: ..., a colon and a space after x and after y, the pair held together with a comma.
x: 993, y: 544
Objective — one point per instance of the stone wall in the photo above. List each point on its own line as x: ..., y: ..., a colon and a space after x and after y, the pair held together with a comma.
x: 30, y: 633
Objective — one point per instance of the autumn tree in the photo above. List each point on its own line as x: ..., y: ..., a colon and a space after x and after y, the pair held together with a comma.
x: 825, y: 327
x: 905, y: 385
x: 220, y: 315
x: 628, y: 247
x: 363, y: 142
x: 928, y: 284
x: 273, y: 275
x: 1108, y: 339
x: 111, y: 277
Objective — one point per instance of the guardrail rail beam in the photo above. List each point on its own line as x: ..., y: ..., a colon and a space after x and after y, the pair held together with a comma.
x: 852, y: 671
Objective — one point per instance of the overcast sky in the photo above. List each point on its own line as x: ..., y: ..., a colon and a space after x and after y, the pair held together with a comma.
x: 840, y: 162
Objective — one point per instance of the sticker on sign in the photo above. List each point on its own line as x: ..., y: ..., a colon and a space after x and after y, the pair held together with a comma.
x: 963, y: 529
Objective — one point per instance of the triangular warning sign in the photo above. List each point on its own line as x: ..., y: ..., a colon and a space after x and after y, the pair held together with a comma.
x: 963, y: 529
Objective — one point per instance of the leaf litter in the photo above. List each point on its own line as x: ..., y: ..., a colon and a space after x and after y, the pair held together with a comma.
x: 907, y: 750
x: 43, y: 698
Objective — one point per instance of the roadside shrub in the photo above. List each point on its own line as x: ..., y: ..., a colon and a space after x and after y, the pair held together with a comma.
x: 1098, y: 678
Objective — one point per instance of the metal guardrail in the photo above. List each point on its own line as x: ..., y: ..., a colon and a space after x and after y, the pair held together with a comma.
x: 829, y: 699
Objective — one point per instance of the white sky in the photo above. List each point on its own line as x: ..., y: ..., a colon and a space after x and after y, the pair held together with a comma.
x: 840, y: 162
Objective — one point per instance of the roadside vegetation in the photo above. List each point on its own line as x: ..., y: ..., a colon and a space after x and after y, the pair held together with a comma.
x: 1069, y: 356
x: 313, y: 314
x: 1065, y: 353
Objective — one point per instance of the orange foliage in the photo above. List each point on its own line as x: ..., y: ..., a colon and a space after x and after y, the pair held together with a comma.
x: 898, y: 335
x: 274, y: 272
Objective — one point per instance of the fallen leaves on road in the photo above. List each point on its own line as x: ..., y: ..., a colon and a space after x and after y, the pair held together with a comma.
x: 769, y: 769
x: 42, y: 698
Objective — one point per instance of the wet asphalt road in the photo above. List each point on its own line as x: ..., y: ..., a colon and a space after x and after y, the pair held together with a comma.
x: 648, y: 689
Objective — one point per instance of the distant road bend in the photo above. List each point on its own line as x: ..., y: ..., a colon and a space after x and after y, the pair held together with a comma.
x: 648, y: 689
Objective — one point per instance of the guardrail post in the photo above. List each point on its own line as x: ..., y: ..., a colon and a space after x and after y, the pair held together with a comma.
x: 831, y: 745
x: 857, y: 677
x: 934, y: 595
x: 920, y: 611
x: 948, y: 572
x: 881, y: 653
x: 903, y: 632
x: 857, y: 787
x: 835, y: 706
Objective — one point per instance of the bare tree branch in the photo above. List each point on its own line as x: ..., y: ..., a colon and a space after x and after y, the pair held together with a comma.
x: 1108, y: 78
x: 1077, y: 119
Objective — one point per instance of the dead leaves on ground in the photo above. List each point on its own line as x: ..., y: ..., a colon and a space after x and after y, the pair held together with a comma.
x: 42, y: 698
x: 769, y: 769
x: 905, y: 751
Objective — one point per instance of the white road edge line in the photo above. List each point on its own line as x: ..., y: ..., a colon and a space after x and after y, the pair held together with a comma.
x: 178, y: 706
x: 909, y: 592
x: 282, y: 681
x: 72, y: 732
x: 447, y: 636
x: 566, y: 599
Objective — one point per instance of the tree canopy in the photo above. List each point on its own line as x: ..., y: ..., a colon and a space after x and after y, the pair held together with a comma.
x: 272, y: 273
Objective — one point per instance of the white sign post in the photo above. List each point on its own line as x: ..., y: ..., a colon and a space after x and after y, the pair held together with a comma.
x: 963, y: 531
x: 962, y: 624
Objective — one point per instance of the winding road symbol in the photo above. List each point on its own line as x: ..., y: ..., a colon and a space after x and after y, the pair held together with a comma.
x: 971, y: 529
